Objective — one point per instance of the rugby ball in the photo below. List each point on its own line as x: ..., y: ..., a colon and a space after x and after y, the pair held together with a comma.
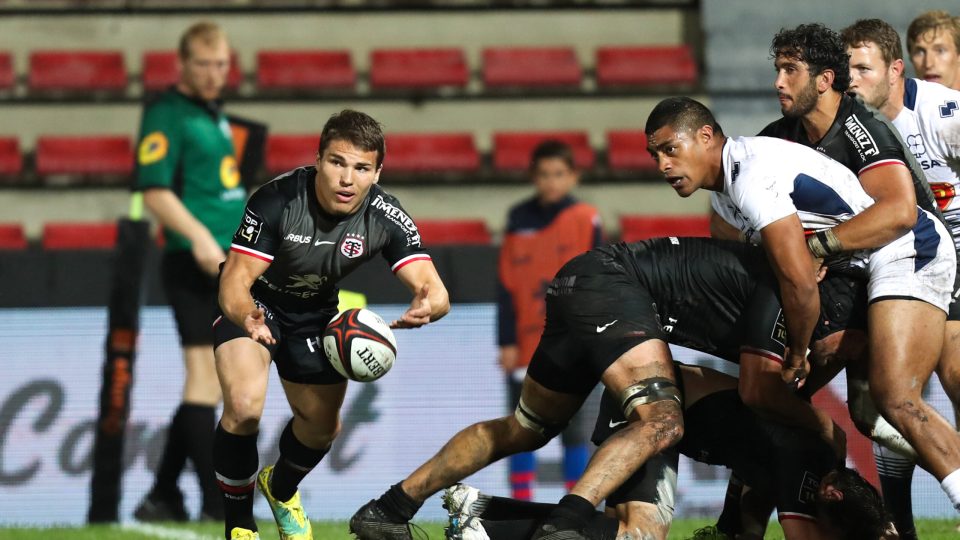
x: 360, y: 345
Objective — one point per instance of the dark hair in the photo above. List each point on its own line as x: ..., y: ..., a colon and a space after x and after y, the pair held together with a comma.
x: 358, y: 128
x: 860, y: 514
x: 933, y: 21
x: 552, y: 148
x: 874, y: 31
x: 682, y: 114
x: 820, y: 47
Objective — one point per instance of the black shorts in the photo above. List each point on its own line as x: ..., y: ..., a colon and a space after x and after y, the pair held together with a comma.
x: 595, y: 313
x: 192, y: 295
x: 298, y: 352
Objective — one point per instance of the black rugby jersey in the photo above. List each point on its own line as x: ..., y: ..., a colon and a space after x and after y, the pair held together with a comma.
x: 721, y: 297
x: 309, y: 250
x: 861, y: 139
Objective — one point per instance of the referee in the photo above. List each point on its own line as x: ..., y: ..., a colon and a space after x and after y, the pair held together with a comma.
x: 188, y: 172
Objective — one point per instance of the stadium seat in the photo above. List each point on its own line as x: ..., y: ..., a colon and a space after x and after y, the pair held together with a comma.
x: 11, y: 162
x: 627, y: 151
x: 7, y: 77
x: 423, y: 152
x: 511, y: 150
x: 286, y: 152
x: 84, y: 155
x: 79, y: 235
x: 12, y: 236
x: 418, y: 68
x: 642, y: 66
x: 305, y: 70
x: 160, y: 70
x: 634, y: 228
x: 439, y: 232
x: 531, y: 67
x: 77, y: 71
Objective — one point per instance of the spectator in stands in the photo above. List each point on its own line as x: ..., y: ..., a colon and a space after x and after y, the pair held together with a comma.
x: 542, y: 232
x: 933, y: 41
x: 187, y: 169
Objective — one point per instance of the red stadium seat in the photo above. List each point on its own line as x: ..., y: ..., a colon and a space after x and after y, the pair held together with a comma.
x: 641, y: 66
x: 627, y: 151
x: 422, y: 152
x: 79, y: 235
x: 160, y: 70
x: 304, y: 70
x: 7, y: 77
x: 77, y: 71
x: 418, y: 68
x: 438, y: 232
x: 11, y: 162
x: 511, y: 150
x: 633, y: 228
x: 12, y: 236
x: 84, y: 155
x: 531, y: 66
x: 286, y: 152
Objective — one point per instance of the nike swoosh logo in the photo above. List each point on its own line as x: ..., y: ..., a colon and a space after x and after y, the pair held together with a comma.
x: 604, y: 327
x: 615, y: 424
x: 323, y: 243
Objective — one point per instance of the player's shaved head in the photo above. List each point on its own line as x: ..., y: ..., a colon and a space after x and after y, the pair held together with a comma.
x: 682, y: 114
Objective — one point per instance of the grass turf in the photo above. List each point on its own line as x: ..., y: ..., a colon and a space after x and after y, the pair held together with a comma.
x: 928, y: 529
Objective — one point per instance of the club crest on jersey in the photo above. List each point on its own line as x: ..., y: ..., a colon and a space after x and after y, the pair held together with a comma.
x: 352, y: 246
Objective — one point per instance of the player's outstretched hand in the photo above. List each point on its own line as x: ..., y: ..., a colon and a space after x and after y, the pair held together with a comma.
x: 795, y: 370
x: 255, y: 325
x: 419, y: 312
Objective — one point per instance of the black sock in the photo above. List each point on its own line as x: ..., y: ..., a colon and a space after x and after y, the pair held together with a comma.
x: 572, y: 512
x: 295, y: 462
x: 602, y: 527
x: 896, y: 479
x: 235, y: 461
x: 397, y: 505
x: 510, y: 529
x: 199, y: 426
x: 173, y: 459
x: 729, y: 521
x: 505, y: 508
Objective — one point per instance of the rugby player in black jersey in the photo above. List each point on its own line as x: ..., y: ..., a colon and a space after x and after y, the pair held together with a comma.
x: 300, y: 234
x: 610, y: 315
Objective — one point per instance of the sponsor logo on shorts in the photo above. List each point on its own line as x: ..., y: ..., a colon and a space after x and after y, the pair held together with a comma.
x: 615, y: 424
x: 600, y: 329
x: 250, y: 226
x: 779, y: 333
x: 352, y: 246
x: 809, y: 488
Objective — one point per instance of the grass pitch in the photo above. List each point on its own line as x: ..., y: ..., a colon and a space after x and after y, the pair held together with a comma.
x: 928, y: 529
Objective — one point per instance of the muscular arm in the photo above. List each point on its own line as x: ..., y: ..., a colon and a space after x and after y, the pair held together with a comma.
x: 173, y: 215
x: 239, y: 273
x: 794, y: 267
x: 892, y: 215
x: 720, y: 229
x: 431, y: 301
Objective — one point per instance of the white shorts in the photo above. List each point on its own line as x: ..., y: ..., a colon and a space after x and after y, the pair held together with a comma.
x: 921, y: 264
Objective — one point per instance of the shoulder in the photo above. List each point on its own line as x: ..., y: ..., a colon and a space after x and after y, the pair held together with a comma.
x: 869, y: 121
x: 386, y: 207
x: 778, y: 128
x: 284, y: 188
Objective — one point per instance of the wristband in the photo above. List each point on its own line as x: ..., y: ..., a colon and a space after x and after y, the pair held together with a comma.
x: 824, y: 243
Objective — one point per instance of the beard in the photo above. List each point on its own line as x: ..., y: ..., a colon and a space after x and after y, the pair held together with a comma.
x: 803, y: 102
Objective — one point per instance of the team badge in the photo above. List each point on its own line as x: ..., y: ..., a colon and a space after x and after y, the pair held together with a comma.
x: 152, y: 148
x: 229, y: 172
x: 352, y: 246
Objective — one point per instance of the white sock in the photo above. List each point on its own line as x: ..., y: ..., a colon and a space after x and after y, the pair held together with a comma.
x: 951, y: 485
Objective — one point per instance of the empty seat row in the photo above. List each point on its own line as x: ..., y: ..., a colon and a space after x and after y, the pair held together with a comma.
x: 321, y: 70
x: 112, y: 156
x: 434, y: 232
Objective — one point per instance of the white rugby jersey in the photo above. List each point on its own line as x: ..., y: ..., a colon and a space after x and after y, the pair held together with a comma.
x: 929, y: 124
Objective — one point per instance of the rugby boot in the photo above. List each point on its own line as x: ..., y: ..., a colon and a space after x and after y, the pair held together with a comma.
x: 292, y: 522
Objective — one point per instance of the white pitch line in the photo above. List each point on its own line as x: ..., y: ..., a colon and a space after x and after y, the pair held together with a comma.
x: 167, y: 533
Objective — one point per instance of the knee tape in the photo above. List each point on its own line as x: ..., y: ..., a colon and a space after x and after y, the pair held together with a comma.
x: 649, y: 391
x: 864, y: 412
x: 532, y: 421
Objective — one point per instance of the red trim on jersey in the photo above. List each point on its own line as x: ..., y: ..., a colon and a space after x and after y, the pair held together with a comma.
x: 251, y: 252
x: 217, y: 321
x: 766, y: 354
x: 784, y: 516
x: 409, y: 259
x: 881, y: 163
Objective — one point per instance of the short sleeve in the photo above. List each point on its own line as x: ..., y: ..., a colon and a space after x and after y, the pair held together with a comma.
x: 403, y: 245
x: 259, y: 233
x: 158, y: 148
x: 757, y: 201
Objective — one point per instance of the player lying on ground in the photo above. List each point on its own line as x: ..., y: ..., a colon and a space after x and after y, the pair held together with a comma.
x: 795, y: 466
x: 610, y: 315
